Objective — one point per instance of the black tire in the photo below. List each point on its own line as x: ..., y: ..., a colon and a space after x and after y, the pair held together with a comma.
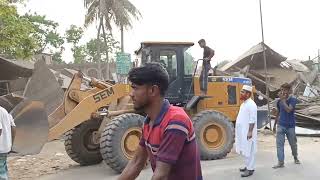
x: 114, y: 136
x: 213, y: 123
x: 79, y: 145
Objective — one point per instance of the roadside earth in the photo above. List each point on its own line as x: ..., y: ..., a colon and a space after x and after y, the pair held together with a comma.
x: 53, y: 158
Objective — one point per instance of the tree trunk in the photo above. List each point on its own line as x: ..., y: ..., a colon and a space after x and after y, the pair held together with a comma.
x: 122, y: 39
x: 99, y: 48
x: 107, y: 52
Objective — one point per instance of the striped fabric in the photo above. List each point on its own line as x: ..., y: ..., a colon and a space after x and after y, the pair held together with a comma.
x: 171, y: 139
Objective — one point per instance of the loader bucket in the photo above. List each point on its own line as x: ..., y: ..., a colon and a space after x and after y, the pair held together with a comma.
x: 32, y: 127
x: 44, y: 87
x: 41, y: 96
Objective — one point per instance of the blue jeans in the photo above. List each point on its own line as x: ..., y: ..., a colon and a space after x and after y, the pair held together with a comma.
x: 206, y: 66
x: 3, y: 167
x: 291, y: 136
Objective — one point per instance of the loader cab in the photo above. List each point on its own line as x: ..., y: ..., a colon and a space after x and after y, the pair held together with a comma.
x: 177, y: 61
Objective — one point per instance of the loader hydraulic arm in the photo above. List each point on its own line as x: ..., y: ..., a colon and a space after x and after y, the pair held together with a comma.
x: 83, y: 111
x: 96, y: 83
x: 74, y: 95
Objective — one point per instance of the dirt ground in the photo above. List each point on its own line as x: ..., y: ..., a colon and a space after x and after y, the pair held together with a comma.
x: 53, y: 158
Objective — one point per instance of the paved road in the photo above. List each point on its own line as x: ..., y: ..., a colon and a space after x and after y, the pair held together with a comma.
x: 225, y: 169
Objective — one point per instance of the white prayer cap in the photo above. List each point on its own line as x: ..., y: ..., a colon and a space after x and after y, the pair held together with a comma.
x: 247, y: 88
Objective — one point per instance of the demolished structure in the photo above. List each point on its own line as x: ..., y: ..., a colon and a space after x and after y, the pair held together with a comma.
x: 304, y: 80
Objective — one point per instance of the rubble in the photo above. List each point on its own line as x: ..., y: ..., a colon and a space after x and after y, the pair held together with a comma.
x: 304, y: 80
x: 14, y: 69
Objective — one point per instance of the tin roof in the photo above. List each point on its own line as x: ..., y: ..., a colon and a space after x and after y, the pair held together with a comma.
x: 13, y: 69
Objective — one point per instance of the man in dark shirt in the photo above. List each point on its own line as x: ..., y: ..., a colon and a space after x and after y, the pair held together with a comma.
x: 285, y: 123
x: 208, y: 53
x: 168, y: 137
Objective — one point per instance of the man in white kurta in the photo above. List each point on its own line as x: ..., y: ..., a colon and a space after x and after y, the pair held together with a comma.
x: 246, y: 131
x: 7, y: 133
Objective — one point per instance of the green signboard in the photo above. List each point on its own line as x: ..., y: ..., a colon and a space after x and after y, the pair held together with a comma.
x: 123, y: 63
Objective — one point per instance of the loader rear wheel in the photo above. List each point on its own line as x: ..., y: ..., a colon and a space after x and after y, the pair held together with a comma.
x: 119, y: 140
x: 80, y: 143
x: 214, y: 134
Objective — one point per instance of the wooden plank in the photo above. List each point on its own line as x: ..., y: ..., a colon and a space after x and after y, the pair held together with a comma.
x: 255, y: 77
x: 309, y: 117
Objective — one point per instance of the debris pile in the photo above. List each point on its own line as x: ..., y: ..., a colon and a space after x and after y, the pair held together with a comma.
x: 304, y: 80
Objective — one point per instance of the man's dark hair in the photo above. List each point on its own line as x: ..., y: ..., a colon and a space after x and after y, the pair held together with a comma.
x: 150, y: 74
x: 286, y: 86
x: 201, y: 41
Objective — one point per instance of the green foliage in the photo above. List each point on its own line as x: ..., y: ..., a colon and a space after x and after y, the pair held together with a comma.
x: 12, y: 1
x: 112, y: 47
x: 74, y: 34
x: 15, y: 33
x: 45, y: 32
x: 79, y: 54
x: 119, y: 12
x: 15, y: 1
x: 23, y: 36
x: 57, y: 58
x: 108, y: 12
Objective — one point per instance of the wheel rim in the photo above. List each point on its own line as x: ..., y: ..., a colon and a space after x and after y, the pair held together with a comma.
x: 213, y: 136
x: 130, y: 141
x: 89, y: 142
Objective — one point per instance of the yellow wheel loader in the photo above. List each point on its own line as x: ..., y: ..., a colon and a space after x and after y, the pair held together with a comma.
x: 81, y: 116
x: 84, y: 118
x: 99, y: 123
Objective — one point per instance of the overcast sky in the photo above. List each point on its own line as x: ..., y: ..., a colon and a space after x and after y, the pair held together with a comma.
x: 230, y: 27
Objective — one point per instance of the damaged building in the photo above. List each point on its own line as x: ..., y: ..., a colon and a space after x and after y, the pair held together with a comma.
x: 304, y: 80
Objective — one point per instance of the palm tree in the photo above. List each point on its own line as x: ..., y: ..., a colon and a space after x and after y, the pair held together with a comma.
x: 107, y: 12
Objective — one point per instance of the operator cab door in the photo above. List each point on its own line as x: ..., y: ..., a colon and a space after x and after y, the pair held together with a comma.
x: 168, y: 57
x: 188, y: 70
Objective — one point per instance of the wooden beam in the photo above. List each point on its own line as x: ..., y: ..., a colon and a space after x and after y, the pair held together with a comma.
x: 255, y: 77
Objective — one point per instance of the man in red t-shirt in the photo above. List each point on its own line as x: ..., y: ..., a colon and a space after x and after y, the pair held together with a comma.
x: 168, y: 137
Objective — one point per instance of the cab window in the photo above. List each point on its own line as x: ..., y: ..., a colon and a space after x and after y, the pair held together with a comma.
x: 168, y: 59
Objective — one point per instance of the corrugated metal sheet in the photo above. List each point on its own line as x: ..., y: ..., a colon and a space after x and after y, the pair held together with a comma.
x: 254, y: 58
x: 298, y: 66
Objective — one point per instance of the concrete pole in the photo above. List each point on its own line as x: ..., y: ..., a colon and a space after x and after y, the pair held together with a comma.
x: 122, y: 39
x: 318, y: 60
x: 265, y: 65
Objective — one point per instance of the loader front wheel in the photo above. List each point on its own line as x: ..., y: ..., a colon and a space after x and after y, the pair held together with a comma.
x: 119, y: 140
x: 214, y: 134
x: 81, y: 144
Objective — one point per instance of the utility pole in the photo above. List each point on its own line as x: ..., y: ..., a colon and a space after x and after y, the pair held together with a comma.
x: 318, y: 60
x: 265, y: 65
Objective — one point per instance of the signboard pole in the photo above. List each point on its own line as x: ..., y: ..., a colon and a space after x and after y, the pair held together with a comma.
x: 123, y: 65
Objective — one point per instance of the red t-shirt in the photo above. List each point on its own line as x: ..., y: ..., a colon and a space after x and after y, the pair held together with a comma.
x: 171, y: 140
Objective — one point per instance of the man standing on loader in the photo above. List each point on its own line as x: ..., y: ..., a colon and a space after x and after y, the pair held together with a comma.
x: 7, y: 134
x: 208, y: 53
x: 168, y: 137
x: 246, y: 131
